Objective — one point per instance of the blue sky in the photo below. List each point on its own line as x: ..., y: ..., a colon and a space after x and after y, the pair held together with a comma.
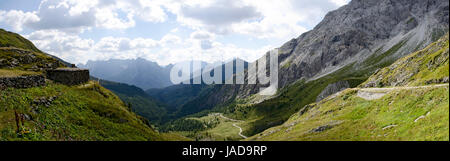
x: 164, y: 31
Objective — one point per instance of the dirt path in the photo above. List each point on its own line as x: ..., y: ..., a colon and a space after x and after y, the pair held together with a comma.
x: 235, y: 124
x: 376, y: 93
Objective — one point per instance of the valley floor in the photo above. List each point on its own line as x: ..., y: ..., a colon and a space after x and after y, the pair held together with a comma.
x: 220, y: 128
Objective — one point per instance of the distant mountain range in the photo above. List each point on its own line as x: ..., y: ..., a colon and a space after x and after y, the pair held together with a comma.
x: 139, y: 72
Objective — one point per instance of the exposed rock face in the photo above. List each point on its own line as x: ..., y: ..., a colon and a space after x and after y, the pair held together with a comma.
x: 68, y: 76
x: 22, y: 81
x: 332, y: 89
x: 355, y: 31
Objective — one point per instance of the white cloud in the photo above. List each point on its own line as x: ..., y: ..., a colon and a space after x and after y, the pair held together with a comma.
x: 67, y: 46
x: 147, y: 10
x: 108, y: 18
x: 170, y: 39
x: 221, y: 12
x: 284, y: 19
x: 16, y: 19
x: 75, y: 16
x: 55, y: 41
x: 151, y: 11
x: 340, y: 2
x: 68, y: 15
x: 202, y: 35
x: 118, y: 44
x: 268, y: 19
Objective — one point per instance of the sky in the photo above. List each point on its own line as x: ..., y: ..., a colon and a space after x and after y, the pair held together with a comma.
x: 163, y: 31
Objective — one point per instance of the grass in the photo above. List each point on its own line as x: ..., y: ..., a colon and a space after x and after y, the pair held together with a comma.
x: 35, y: 61
x: 220, y: 129
x: 15, y: 73
x: 19, y: 53
x: 364, y: 120
x: 9, y: 39
x: 87, y: 112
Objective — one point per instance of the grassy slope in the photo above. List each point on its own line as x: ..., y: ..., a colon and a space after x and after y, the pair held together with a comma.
x: 9, y: 39
x: 141, y: 103
x: 222, y: 129
x: 175, y: 96
x: 40, y: 60
x: 9, y: 42
x: 15, y: 73
x: 216, y: 128
x: 420, y: 68
x: 364, y: 120
x: 87, y: 112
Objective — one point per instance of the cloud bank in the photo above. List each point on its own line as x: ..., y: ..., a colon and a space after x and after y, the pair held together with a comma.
x: 212, y: 30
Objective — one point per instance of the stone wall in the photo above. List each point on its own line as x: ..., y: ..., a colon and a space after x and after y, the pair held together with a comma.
x: 68, y: 76
x: 22, y: 81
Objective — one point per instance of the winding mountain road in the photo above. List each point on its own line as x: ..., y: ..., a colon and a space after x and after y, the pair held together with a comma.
x: 235, y: 124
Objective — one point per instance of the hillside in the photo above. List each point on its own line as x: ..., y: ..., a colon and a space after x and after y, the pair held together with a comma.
x: 140, y: 102
x: 17, y: 50
x: 45, y: 110
x: 346, y: 47
x: 10, y: 39
x: 395, y: 111
x: 58, y: 112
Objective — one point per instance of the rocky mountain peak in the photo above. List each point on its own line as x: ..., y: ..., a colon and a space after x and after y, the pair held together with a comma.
x: 355, y: 31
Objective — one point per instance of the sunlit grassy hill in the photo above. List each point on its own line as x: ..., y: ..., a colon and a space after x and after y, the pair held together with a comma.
x: 59, y: 112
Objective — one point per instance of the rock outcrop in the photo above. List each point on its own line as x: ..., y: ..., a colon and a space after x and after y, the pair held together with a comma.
x: 356, y: 31
x: 22, y: 81
x: 12, y: 57
x: 68, y: 76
